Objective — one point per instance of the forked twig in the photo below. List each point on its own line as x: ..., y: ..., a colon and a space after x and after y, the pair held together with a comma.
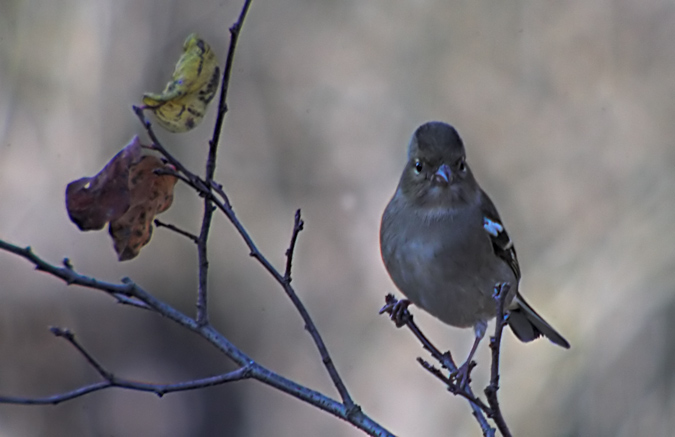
x: 446, y: 361
x: 110, y: 380
x: 176, y: 229
x: 131, y: 290
x: 492, y: 410
x: 202, y: 293
x: 222, y: 202
x: 130, y: 293
x: 501, y: 291
x: 298, y: 226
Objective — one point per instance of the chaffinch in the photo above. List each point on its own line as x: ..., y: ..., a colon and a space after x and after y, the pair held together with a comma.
x: 445, y: 246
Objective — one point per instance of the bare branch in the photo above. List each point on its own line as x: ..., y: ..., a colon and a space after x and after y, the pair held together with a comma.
x: 451, y: 384
x: 227, y: 72
x: 202, y: 242
x: 501, y: 291
x: 67, y: 273
x: 110, y: 380
x: 176, y: 229
x: 493, y: 411
x: 130, y: 293
x: 349, y: 413
x: 56, y: 399
x: 298, y: 226
x: 445, y: 359
x: 204, y: 186
x: 206, y: 190
x: 171, y: 172
x: 225, y: 206
x: 70, y: 338
x: 192, y: 179
x: 203, y: 189
x: 290, y: 292
x: 125, y: 300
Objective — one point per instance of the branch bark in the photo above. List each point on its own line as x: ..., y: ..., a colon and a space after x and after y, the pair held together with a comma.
x: 253, y: 370
x: 215, y: 198
x: 401, y: 316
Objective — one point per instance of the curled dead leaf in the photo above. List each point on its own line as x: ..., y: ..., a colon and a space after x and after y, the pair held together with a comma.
x: 151, y: 194
x: 182, y: 104
x: 127, y: 193
x: 94, y: 201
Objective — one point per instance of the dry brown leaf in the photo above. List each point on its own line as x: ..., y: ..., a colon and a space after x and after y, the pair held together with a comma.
x: 127, y: 194
x: 94, y: 201
x: 151, y: 194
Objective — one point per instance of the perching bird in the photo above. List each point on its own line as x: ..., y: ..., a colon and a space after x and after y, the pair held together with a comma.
x: 445, y: 246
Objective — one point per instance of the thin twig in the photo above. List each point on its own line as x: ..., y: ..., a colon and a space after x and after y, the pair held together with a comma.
x: 501, y: 292
x: 203, y: 189
x: 346, y: 410
x: 56, y: 399
x: 298, y: 225
x: 225, y: 206
x: 227, y: 72
x: 125, y: 300
x: 192, y: 179
x: 449, y: 382
x: 445, y: 359
x: 203, y: 186
x: 203, y: 261
x: 121, y: 298
x: 110, y: 380
x: 171, y: 172
x: 181, y: 172
x: 202, y: 242
x: 132, y: 294
x: 206, y: 190
x: 353, y: 415
x: 70, y: 338
x: 67, y: 273
x: 176, y: 229
x: 290, y: 292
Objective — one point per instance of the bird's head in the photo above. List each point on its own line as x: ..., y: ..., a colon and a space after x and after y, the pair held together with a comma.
x: 437, y: 176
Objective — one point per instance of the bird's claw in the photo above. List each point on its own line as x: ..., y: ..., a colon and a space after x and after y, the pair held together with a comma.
x: 462, y: 376
x: 397, y: 310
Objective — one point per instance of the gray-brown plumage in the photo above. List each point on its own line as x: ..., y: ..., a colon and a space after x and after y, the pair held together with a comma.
x: 444, y: 245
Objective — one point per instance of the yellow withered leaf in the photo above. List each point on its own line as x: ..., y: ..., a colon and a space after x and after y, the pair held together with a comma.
x: 182, y: 104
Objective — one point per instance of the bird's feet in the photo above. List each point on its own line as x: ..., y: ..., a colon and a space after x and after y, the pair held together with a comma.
x: 462, y: 376
x: 397, y: 310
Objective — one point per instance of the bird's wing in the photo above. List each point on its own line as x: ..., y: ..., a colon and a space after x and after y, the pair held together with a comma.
x: 501, y: 242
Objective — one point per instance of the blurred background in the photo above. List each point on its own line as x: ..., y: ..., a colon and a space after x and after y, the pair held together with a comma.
x: 566, y: 109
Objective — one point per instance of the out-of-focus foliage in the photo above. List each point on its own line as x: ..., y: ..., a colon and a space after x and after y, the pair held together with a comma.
x: 566, y: 110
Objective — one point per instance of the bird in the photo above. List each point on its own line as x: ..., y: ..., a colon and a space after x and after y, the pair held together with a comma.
x: 446, y: 248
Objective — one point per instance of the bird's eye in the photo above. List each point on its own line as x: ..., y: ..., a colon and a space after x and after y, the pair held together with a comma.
x: 461, y: 165
x: 418, y: 167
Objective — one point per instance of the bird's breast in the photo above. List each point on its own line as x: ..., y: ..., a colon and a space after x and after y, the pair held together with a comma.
x: 445, y: 266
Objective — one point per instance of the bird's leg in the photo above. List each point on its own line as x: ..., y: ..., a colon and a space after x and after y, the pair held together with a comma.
x: 462, y: 375
x: 397, y: 309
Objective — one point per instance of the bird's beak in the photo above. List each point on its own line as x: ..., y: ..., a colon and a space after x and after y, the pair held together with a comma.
x: 443, y: 175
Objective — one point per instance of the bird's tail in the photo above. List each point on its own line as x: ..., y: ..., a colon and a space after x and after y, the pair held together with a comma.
x: 527, y: 325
